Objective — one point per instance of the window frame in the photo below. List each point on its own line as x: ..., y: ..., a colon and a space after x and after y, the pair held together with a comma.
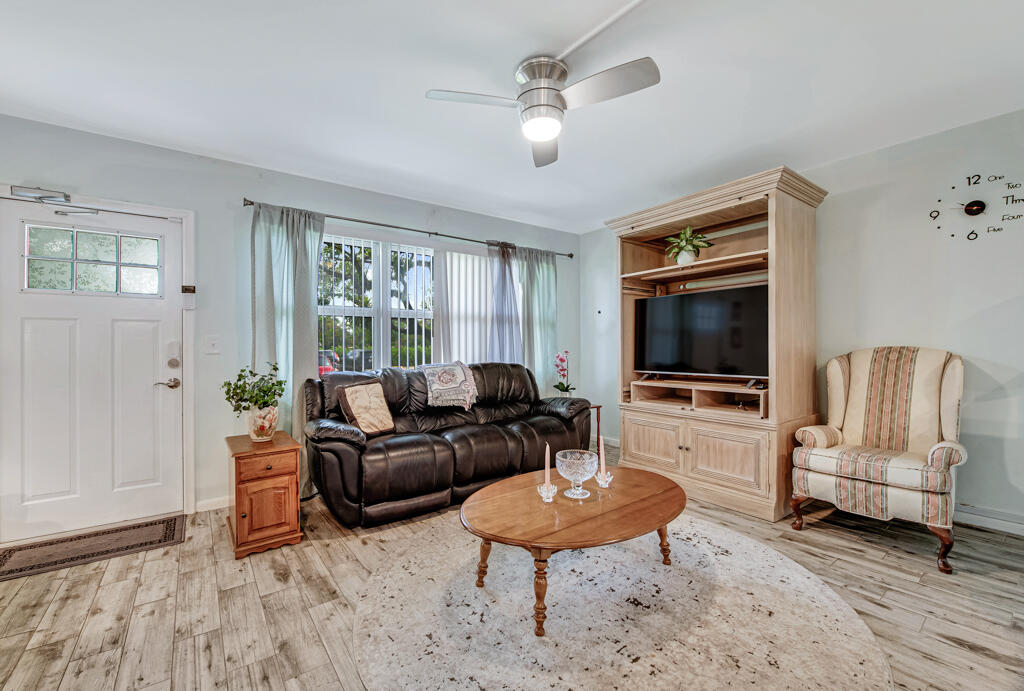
x: 74, y: 261
x: 382, y: 312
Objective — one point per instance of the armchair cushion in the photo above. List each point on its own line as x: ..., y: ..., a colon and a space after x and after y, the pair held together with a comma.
x: 904, y: 469
x: 819, y: 436
x: 322, y: 430
x: 945, y: 455
x: 875, y: 499
x: 565, y: 408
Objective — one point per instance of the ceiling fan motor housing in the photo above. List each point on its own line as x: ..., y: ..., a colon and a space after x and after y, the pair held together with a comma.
x: 541, y: 81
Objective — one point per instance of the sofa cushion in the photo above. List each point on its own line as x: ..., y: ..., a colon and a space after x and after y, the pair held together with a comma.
x: 400, y: 466
x: 894, y: 468
x: 483, y: 452
x: 538, y: 430
x: 504, y: 391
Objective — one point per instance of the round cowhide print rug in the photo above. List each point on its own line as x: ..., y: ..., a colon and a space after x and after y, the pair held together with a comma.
x: 728, y: 612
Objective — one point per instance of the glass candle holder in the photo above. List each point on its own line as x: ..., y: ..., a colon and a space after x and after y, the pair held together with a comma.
x: 547, y: 492
x: 603, y: 479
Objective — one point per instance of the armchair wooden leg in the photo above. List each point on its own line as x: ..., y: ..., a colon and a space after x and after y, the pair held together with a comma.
x: 945, y: 536
x: 798, y: 521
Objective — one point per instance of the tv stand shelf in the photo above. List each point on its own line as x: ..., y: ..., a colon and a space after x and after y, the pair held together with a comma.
x: 702, y: 396
x: 727, y: 265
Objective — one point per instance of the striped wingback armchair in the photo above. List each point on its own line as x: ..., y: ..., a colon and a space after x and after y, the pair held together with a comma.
x: 889, y: 448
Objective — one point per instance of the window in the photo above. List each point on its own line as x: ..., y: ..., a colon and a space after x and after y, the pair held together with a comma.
x: 94, y: 262
x: 375, y: 304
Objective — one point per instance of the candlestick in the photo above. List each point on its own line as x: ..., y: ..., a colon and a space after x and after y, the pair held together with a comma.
x: 547, y: 465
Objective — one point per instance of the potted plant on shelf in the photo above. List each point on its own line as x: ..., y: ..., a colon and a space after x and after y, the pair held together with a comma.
x: 687, y: 246
x: 259, y: 395
x: 562, y: 368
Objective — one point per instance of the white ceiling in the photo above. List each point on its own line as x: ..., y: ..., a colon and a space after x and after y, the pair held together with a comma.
x: 333, y: 89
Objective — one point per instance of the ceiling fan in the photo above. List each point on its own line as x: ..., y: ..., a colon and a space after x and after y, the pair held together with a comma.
x: 544, y: 97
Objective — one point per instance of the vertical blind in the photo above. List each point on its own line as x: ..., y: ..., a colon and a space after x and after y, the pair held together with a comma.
x: 469, y: 304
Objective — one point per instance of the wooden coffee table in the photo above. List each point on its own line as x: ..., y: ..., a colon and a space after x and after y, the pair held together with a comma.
x: 511, y: 512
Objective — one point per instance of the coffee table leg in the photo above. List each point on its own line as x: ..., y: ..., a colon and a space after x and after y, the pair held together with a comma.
x: 663, y: 535
x: 540, y: 588
x: 481, y: 568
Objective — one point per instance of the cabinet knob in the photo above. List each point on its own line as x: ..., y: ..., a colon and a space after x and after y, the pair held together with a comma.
x: 680, y: 447
x: 243, y: 515
x: 270, y: 467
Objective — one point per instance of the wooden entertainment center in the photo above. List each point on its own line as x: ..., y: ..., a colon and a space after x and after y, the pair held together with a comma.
x: 725, y: 443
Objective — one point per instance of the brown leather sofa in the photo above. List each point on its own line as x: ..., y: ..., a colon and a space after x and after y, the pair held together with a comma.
x: 435, y: 456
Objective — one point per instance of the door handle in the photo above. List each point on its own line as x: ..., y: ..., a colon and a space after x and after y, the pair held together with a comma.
x: 171, y: 383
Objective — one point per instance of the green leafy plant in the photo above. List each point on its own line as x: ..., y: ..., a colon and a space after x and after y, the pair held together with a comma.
x: 688, y: 241
x: 253, y: 390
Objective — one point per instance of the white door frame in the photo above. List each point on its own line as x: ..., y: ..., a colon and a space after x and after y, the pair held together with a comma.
x: 188, y: 320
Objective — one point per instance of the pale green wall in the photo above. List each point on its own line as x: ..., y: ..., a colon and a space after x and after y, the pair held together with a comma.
x: 42, y: 155
x: 887, y: 276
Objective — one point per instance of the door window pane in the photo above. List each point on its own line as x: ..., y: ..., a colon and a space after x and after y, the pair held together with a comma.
x: 49, y: 242
x: 140, y: 281
x: 140, y: 251
x: 97, y: 247
x: 49, y: 275
x: 96, y: 278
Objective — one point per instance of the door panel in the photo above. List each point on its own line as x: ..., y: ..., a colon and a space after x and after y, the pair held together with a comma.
x: 86, y: 438
x: 49, y: 349
x: 653, y: 441
x: 727, y: 455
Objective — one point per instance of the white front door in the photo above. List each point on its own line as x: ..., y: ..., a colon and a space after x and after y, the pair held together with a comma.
x: 90, y: 325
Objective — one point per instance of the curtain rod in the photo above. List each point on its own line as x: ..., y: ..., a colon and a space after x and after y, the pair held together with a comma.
x: 249, y: 202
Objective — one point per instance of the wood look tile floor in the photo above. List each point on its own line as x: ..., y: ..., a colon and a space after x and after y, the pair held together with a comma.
x: 192, y: 617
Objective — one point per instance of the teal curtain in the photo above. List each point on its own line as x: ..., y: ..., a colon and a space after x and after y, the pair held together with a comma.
x: 285, y: 256
x: 539, y: 280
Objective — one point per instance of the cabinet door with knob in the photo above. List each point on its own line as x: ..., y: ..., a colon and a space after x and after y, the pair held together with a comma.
x: 728, y: 455
x: 264, y: 510
x: 654, y: 441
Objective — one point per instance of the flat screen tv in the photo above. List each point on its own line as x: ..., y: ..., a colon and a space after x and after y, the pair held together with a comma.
x: 723, y: 333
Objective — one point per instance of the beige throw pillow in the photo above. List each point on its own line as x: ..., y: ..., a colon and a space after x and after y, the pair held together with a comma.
x: 365, y: 407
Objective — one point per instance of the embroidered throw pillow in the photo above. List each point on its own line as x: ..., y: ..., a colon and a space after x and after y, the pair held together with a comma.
x: 365, y: 407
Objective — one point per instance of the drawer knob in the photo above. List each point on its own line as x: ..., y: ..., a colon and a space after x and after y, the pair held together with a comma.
x: 270, y: 467
x: 243, y: 515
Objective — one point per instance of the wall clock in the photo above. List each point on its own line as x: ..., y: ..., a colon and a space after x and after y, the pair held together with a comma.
x: 978, y: 206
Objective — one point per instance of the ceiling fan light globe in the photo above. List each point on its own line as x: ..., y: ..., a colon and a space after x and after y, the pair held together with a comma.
x: 542, y: 129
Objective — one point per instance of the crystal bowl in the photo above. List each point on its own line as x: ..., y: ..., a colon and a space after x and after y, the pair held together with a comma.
x: 577, y: 466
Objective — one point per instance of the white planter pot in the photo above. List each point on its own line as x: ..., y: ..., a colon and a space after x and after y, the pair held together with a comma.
x: 262, y: 423
x: 685, y: 258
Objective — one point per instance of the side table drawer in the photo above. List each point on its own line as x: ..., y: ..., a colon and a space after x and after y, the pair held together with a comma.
x: 267, y: 466
x: 265, y: 508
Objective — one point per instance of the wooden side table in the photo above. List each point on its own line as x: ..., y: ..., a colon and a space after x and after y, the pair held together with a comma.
x: 264, y: 493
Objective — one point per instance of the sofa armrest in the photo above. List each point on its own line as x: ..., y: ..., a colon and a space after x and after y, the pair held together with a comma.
x: 565, y: 408
x: 323, y: 430
x: 819, y: 436
x: 946, y: 454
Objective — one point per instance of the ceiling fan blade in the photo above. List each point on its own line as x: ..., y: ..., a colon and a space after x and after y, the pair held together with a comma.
x: 545, y: 153
x: 612, y: 83
x: 467, y: 97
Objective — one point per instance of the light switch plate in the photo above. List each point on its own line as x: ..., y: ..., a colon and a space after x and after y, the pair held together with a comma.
x: 211, y: 345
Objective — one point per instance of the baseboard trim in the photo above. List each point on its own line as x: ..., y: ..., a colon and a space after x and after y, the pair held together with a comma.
x: 608, y: 441
x: 212, y: 504
x: 992, y: 519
